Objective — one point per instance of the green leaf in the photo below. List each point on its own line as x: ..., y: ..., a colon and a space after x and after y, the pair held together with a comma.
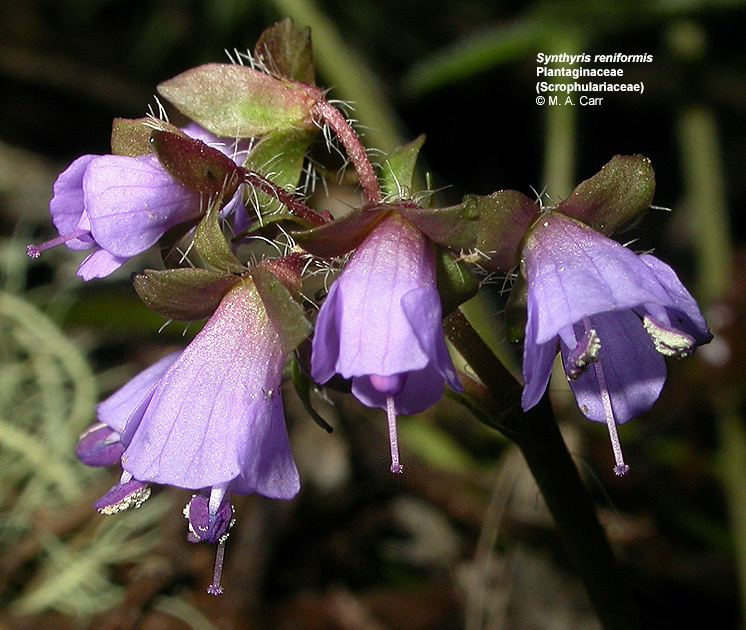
x: 343, y: 235
x: 284, y: 312
x: 615, y: 197
x: 195, y: 164
x: 494, y: 224
x: 183, y: 294
x: 398, y: 170
x: 239, y: 102
x: 212, y: 246
x: 279, y: 157
x: 456, y: 282
x: 286, y: 51
x: 303, y: 386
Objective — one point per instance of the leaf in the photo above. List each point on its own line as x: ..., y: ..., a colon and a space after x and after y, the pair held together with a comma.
x: 183, y: 294
x: 279, y: 157
x: 237, y: 101
x: 398, y: 170
x: 343, y: 235
x: 286, y: 51
x: 284, y: 312
x: 456, y: 282
x: 211, y: 245
x: 303, y: 386
x: 195, y: 164
x: 493, y: 224
x: 615, y: 197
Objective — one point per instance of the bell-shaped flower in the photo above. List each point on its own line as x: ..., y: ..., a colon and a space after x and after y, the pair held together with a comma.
x: 613, y: 314
x: 119, y: 206
x: 209, y: 418
x: 381, y: 326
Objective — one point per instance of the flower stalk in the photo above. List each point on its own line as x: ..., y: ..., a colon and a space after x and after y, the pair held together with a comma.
x: 354, y: 148
x: 538, y: 437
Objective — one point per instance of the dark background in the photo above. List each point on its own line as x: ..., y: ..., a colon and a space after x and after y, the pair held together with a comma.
x: 463, y: 540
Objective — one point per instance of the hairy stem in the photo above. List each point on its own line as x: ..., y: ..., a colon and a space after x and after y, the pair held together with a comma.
x: 355, y: 149
x: 537, y: 436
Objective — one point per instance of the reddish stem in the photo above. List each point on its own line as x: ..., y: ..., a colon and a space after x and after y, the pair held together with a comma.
x: 298, y: 208
x: 355, y: 149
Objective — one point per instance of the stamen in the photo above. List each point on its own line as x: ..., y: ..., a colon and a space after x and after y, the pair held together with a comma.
x: 396, y: 467
x: 667, y: 340
x: 621, y: 468
x: 216, y: 588
x: 585, y: 353
x: 34, y: 251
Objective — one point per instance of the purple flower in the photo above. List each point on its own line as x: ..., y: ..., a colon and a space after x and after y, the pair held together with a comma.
x: 120, y: 206
x: 381, y: 326
x: 614, y: 314
x: 209, y: 418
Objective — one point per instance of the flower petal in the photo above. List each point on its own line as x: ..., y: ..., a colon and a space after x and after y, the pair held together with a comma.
x: 67, y: 206
x: 423, y: 312
x: 574, y: 272
x: 99, y: 446
x: 325, y: 345
x: 537, y: 359
x: 100, y: 264
x: 422, y: 389
x: 213, y: 407
x: 131, y: 202
x: 117, y: 408
x: 375, y: 335
x: 682, y: 308
x: 268, y: 467
x: 633, y: 371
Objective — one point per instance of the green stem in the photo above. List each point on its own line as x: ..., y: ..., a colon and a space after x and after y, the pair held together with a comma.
x: 537, y: 436
x: 561, y: 129
x: 705, y: 192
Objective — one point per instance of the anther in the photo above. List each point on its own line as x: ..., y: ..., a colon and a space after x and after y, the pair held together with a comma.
x: 585, y: 353
x: 667, y: 340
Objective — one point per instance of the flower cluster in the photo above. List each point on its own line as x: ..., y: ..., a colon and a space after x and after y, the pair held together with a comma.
x: 209, y: 418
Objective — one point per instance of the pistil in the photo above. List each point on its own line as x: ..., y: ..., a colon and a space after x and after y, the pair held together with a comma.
x: 34, y: 251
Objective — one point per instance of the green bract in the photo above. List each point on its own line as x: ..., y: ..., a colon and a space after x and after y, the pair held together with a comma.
x: 210, y: 243
x: 183, y: 294
x: 286, y: 51
x: 615, y: 197
x: 285, y: 313
x: 239, y: 102
x: 397, y: 172
x: 278, y: 157
x: 131, y: 136
x: 195, y: 164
